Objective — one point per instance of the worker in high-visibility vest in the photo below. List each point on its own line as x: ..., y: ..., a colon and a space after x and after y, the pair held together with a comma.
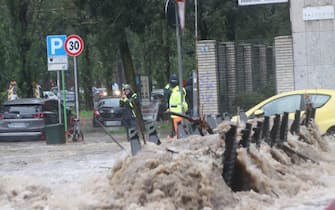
x: 128, y: 101
x: 177, y: 103
x: 167, y: 93
x: 12, y: 91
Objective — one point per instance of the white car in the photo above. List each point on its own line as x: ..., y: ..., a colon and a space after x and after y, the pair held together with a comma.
x: 50, y: 95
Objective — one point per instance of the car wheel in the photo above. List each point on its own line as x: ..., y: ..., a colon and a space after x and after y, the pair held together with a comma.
x: 331, y: 132
x: 78, y: 137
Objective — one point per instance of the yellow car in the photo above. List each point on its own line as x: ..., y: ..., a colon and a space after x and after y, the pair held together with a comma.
x: 323, y: 100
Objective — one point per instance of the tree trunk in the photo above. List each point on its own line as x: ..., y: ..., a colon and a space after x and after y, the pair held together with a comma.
x: 24, y: 78
x: 87, y: 79
x: 166, y: 50
x: 130, y: 76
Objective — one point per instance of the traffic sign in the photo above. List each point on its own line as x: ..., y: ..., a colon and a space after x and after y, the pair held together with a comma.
x: 170, y: 12
x: 254, y: 2
x: 57, y: 57
x: 74, y: 45
x: 55, y: 45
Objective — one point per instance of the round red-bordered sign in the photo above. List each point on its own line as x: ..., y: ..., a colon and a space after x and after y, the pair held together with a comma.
x: 74, y: 45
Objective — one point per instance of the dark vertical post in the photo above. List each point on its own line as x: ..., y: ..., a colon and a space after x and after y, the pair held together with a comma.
x: 229, y: 155
x: 284, y: 128
x: 274, y: 133
x: 245, y: 141
x: 295, y: 126
x: 257, y: 134
x: 266, y: 129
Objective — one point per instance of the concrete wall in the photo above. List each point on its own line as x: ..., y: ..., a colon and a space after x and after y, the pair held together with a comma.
x: 283, y: 52
x: 313, y: 43
x: 208, y: 77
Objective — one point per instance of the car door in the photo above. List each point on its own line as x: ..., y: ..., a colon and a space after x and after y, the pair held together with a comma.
x: 324, y: 115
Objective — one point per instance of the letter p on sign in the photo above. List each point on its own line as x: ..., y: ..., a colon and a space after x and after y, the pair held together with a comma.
x: 55, y: 45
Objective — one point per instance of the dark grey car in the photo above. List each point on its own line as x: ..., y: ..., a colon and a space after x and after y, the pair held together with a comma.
x: 108, y: 113
x: 25, y: 119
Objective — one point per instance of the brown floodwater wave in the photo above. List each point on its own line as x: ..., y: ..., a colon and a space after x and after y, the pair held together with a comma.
x: 182, y: 174
x: 187, y: 174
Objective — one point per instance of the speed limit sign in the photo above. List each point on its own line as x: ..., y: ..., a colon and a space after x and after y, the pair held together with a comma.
x: 74, y: 45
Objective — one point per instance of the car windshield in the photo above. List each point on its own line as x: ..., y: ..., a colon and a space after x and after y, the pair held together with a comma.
x: 23, y: 109
x: 111, y: 102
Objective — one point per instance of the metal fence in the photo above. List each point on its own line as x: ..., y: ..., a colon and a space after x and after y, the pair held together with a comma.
x: 240, y: 67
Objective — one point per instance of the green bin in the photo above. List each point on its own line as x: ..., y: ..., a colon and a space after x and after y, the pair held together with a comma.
x: 55, y: 134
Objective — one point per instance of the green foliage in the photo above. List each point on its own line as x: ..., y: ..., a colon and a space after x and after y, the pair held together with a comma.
x: 3, y: 95
x: 24, y: 25
x: 86, y: 114
x: 262, y: 22
x: 269, y: 89
x: 247, y: 100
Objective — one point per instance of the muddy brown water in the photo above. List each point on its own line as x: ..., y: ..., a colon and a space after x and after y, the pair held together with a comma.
x: 182, y: 174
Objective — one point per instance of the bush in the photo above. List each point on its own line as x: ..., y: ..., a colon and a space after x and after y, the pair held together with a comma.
x: 247, y: 100
x: 3, y: 96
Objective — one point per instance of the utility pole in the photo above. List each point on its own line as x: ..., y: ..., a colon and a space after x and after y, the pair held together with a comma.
x: 180, y: 67
x: 195, y: 77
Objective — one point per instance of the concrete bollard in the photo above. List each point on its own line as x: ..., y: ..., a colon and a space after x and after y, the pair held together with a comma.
x: 134, y: 140
x: 153, y: 137
x: 181, y: 130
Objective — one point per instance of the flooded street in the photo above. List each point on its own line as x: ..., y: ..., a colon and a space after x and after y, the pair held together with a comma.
x: 41, y: 174
x: 183, y: 174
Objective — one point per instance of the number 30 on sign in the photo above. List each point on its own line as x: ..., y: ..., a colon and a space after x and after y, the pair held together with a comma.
x: 74, y: 45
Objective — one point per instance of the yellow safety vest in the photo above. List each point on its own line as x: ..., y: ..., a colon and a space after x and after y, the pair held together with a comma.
x: 175, y: 101
x: 167, y: 86
x: 130, y: 102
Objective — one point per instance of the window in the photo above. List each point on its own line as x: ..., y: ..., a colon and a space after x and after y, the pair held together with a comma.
x: 23, y: 109
x: 113, y: 102
x: 317, y: 100
x: 51, y: 106
x: 283, y: 104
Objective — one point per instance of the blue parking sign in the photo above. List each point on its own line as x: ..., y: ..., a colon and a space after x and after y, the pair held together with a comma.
x: 55, y: 45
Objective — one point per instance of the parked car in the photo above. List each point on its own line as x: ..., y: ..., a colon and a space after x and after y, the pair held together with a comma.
x: 70, y: 97
x: 98, y: 93
x: 25, y: 119
x: 108, y: 112
x: 321, y: 99
x: 49, y: 94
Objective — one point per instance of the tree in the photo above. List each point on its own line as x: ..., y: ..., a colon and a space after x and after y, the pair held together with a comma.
x: 30, y: 23
x: 24, y: 25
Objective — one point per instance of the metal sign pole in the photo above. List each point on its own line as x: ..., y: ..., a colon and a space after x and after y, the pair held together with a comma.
x: 195, y: 93
x: 76, y: 86
x: 64, y: 102
x: 196, y: 73
x: 59, y: 102
x: 180, y: 68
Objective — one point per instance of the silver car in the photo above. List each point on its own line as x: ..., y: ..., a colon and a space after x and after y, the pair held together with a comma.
x: 25, y: 119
